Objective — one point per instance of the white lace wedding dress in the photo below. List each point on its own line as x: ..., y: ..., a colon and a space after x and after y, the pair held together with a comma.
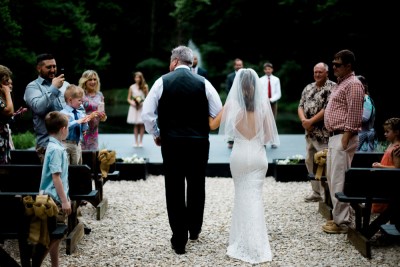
x: 248, y: 118
x: 248, y: 238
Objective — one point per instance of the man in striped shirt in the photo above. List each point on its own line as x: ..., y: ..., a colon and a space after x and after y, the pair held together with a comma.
x: 343, y: 116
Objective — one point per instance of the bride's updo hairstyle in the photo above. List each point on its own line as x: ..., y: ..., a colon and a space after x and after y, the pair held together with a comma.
x: 248, y: 87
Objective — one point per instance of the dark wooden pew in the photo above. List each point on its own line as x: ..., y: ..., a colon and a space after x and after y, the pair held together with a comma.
x: 360, y: 160
x: 19, y: 179
x: 89, y: 158
x: 15, y: 225
x: 362, y: 187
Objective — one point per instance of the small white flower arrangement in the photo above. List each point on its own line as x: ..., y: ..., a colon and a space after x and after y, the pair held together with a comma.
x: 291, y: 160
x: 134, y: 159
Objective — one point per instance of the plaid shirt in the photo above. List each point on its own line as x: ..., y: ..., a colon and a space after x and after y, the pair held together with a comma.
x: 345, y: 106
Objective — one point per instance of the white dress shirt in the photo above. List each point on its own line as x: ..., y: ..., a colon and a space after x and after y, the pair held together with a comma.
x: 275, y: 87
x: 150, y: 104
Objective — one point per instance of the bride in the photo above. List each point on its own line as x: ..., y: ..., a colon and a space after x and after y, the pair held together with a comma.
x: 247, y: 116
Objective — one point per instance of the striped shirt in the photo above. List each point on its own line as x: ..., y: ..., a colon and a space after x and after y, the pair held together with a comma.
x: 345, y: 105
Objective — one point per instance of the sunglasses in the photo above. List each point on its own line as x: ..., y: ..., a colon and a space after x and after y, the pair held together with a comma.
x: 337, y: 65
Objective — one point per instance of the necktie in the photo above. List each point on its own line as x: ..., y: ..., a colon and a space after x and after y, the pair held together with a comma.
x: 77, y: 129
x: 269, y: 87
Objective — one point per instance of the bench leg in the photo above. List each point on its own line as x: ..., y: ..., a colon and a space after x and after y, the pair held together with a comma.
x: 374, y: 227
x: 101, y: 209
x: 74, y: 238
x: 360, y: 242
x: 99, y: 183
x: 7, y: 260
x: 325, y: 207
x: 24, y: 252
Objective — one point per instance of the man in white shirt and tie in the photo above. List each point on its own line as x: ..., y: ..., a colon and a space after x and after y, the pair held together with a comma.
x: 273, y: 84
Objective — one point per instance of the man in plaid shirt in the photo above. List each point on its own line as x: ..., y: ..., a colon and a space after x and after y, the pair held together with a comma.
x: 343, y: 116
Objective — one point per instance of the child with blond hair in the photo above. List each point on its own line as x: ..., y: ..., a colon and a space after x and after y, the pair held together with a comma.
x: 77, y: 125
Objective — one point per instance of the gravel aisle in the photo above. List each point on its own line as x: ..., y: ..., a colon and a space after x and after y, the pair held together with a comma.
x: 135, y: 230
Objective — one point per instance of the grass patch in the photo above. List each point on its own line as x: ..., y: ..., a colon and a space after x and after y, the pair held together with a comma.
x: 24, y: 140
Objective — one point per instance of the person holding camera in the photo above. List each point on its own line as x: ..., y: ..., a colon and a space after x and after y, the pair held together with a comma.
x: 43, y: 95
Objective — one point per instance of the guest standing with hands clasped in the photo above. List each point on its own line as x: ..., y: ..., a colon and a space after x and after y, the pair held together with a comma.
x: 248, y: 118
x: 136, y: 95
x: 176, y: 113
x: 93, y: 103
x: 342, y: 119
x: 313, y: 101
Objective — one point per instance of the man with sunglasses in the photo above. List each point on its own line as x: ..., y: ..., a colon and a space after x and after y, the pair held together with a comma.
x: 343, y: 116
x: 43, y: 95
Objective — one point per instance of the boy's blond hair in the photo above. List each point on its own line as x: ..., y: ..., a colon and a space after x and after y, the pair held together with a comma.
x: 73, y: 91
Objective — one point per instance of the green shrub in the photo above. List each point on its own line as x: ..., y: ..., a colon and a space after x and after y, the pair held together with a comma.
x: 24, y: 140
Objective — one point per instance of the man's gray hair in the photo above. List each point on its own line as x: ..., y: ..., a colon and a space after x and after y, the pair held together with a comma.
x: 184, y: 55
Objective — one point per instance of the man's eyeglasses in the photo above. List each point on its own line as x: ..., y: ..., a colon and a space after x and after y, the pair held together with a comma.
x: 337, y: 65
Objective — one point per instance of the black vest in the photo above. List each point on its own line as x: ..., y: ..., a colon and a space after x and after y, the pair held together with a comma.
x: 183, y: 107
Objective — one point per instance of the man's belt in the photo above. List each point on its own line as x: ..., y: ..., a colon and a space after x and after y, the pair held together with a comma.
x: 336, y: 132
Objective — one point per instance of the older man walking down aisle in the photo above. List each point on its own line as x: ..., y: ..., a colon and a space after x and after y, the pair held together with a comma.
x: 176, y: 112
x: 343, y: 116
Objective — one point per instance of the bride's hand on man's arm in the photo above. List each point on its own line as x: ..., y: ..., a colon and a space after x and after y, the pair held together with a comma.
x: 215, y: 122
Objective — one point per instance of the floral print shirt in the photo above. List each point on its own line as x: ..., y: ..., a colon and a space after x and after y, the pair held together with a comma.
x: 313, y: 99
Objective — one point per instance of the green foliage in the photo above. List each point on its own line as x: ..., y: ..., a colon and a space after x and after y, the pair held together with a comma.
x: 62, y: 28
x: 289, y: 74
x: 381, y: 146
x: 24, y: 140
x: 11, y: 47
x: 289, y: 106
x: 115, y: 96
x: 152, y: 68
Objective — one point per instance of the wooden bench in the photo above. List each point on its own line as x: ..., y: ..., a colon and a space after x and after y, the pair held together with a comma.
x: 15, y: 225
x: 362, y: 187
x: 25, y: 179
x: 89, y: 158
x: 360, y: 160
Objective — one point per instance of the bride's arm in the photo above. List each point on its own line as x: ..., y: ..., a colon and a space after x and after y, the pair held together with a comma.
x: 215, y: 122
